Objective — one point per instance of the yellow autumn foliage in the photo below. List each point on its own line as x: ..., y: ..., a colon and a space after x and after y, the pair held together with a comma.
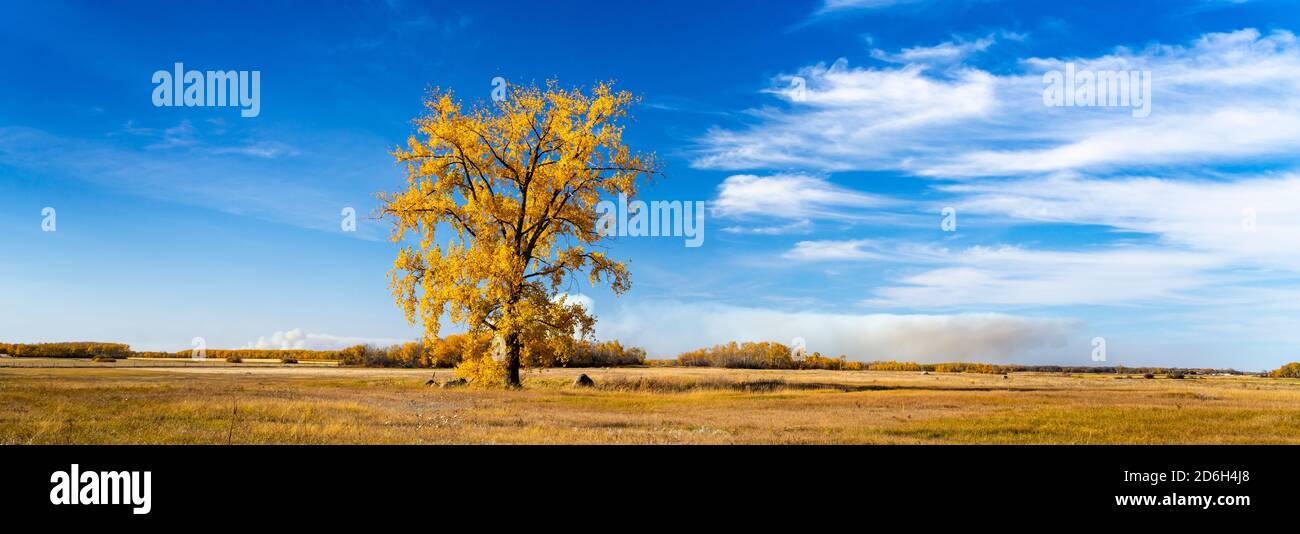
x: 499, y: 216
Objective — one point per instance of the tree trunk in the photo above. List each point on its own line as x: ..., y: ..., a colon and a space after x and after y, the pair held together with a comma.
x: 512, y: 363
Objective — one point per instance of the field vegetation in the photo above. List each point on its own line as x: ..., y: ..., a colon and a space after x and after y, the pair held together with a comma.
x: 187, y: 401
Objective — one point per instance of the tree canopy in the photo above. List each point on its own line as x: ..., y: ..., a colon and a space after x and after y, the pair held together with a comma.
x: 513, y: 184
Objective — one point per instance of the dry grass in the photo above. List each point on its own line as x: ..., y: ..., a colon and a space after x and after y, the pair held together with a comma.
x: 268, y: 403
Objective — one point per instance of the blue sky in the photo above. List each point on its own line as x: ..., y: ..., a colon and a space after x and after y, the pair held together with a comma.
x: 1173, y: 236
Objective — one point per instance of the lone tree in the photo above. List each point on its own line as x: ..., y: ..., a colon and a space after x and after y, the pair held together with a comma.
x: 516, y: 183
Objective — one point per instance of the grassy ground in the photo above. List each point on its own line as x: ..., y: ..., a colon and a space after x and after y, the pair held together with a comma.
x: 212, y: 402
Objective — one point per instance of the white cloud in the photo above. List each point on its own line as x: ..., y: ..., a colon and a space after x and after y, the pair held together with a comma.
x: 1225, y: 97
x: 858, y: 249
x: 846, y: 118
x: 255, y: 186
x: 259, y: 149
x: 945, y: 52
x: 791, y: 196
x: 1227, y: 135
x: 1248, y: 222
x: 1198, y: 242
x: 296, y: 339
x: 984, y: 337
x: 576, y: 298
x: 179, y: 136
x: 804, y: 226
x: 833, y: 6
x: 1013, y: 276
x: 1180, y: 239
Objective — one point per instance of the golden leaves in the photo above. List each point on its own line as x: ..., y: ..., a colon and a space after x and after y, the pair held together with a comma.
x: 516, y: 182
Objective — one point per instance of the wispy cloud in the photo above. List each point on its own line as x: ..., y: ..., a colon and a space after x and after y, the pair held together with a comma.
x: 942, y: 53
x: 791, y: 196
x: 831, y: 250
x: 259, y: 149
x: 1248, y: 222
x: 1007, y: 276
x: 1172, y: 222
x: 214, y: 178
x: 213, y: 141
x: 846, y: 118
x: 1198, y: 242
x: 1225, y: 97
x: 797, y: 202
x: 296, y: 339
x: 837, y: 6
x: 981, y: 336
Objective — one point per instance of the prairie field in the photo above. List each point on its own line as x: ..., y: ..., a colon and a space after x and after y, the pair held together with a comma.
x: 185, y: 402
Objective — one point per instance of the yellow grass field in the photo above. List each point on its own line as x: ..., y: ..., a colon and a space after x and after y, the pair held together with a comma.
x: 139, y: 401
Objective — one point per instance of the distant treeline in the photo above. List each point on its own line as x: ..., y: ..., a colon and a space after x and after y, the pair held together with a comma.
x: 444, y: 352
x: 449, y: 351
x: 254, y: 354
x: 771, y: 355
x: 1290, y: 370
x: 72, y: 349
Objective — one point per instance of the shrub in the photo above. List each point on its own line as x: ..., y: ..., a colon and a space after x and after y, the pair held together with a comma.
x: 1148, y: 375
x: 482, y: 370
x: 604, y: 354
x: 76, y: 349
x: 454, y: 349
x: 406, y: 355
x: 895, y: 366
x: 448, y: 351
x: 983, y: 368
x: 375, y: 356
x: 103, y: 359
x: 1176, y: 375
x: 679, y: 385
x: 288, y: 360
x: 234, y: 358
x: 817, y: 361
x: 747, y: 355
x: 1290, y: 370
x: 264, y: 354
x: 354, y: 355
x: 413, y: 354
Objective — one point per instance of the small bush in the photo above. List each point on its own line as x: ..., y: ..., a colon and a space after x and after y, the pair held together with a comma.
x: 234, y: 358
x: 482, y: 370
x: 288, y: 360
x: 892, y: 365
x: 747, y: 355
x: 262, y: 354
x: 1176, y: 375
x: 678, y: 385
x: 103, y: 359
x: 1290, y: 370
x: 1148, y: 376
x: 76, y: 349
